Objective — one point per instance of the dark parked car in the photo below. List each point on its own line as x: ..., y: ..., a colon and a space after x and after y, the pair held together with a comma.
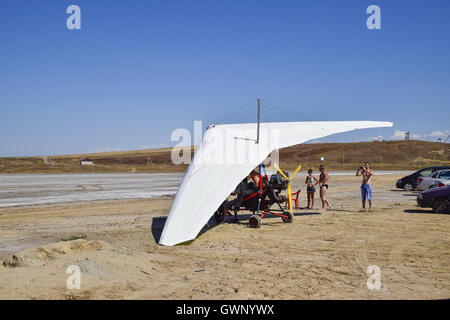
x: 436, y: 198
x: 409, y: 183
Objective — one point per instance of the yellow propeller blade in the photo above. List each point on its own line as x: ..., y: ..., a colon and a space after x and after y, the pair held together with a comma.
x: 289, y: 183
x: 281, y: 172
x: 296, y: 170
x: 290, y: 197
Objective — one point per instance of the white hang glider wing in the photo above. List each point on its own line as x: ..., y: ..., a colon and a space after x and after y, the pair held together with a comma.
x: 226, y: 155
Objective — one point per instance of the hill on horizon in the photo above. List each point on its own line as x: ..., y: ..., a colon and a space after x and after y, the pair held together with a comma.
x: 384, y: 155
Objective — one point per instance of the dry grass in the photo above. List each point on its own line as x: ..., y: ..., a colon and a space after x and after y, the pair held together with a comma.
x: 389, y: 155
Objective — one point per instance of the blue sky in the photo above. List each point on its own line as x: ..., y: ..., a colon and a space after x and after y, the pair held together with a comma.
x: 137, y: 70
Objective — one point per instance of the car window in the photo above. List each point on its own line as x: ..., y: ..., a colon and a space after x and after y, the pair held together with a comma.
x: 445, y: 174
x: 425, y: 173
x: 434, y: 175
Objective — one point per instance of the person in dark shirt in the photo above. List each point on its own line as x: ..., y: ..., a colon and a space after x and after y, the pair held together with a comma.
x: 243, y: 190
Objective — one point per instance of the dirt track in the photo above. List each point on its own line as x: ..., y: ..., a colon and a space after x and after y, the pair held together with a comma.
x: 322, y: 255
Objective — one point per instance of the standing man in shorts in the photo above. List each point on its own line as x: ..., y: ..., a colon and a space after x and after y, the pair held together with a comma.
x: 366, y: 188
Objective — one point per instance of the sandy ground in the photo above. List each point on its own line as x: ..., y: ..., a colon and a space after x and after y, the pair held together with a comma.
x: 321, y: 255
x: 33, y: 189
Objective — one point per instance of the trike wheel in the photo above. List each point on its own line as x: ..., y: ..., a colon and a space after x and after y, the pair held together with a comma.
x: 254, y: 221
x: 289, y: 218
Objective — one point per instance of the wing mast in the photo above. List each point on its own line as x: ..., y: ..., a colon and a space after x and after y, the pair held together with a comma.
x: 257, y: 141
x: 259, y: 120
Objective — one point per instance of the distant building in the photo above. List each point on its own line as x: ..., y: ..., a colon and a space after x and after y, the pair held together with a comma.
x: 48, y: 161
x: 407, y: 136
x: 86, y: 162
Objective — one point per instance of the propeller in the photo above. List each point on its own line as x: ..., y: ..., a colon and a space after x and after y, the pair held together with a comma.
x: 289, y: 182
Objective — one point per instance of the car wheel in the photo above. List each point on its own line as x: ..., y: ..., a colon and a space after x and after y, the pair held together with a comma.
x: 441, y: 205
x: 408, y: 187
x: 446, y: 206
